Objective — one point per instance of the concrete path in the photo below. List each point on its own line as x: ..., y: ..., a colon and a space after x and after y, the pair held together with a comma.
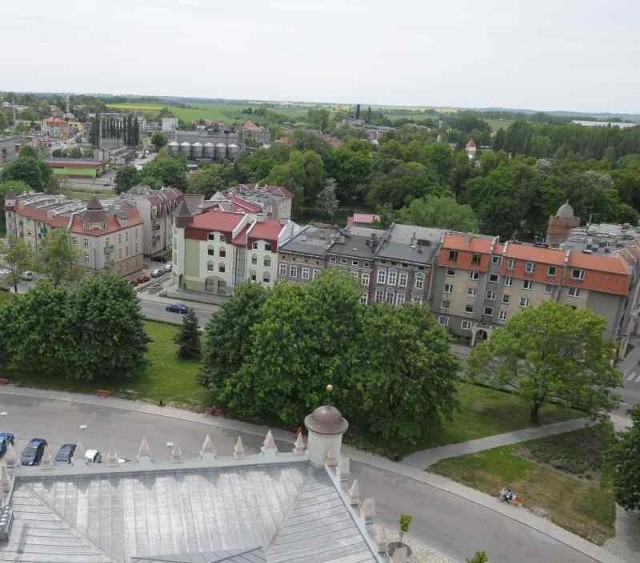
x: 626, y: 544
x: 425, y: 458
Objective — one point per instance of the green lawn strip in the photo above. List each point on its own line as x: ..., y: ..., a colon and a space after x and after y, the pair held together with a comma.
x: 584, y: 506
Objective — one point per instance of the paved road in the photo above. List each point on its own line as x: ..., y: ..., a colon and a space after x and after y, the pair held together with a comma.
x: 155, y: 310
x: 452, y: 524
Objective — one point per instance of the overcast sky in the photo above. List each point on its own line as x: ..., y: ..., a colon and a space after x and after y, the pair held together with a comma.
x: 543, y: 54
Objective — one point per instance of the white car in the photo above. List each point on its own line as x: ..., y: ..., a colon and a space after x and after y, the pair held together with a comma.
x: 27, y: 276
x: 168, y: 267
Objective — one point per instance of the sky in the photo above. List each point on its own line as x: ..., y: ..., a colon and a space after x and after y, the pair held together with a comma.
x: 575, y: 55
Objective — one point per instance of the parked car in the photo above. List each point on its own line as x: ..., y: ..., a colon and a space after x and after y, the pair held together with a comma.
x: 168, y: 267
x: 6, y: 438
x: 92, y: 456
x: 177, y: 308
x: 156, y: 273
x: 65, y: 453
x: 143, y: 279
x: 27, y: 276
x: 32, y: 454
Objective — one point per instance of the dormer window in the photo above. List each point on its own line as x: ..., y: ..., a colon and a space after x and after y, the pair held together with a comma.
x: 577, y: 274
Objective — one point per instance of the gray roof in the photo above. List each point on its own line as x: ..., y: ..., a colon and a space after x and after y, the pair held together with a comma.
x: 281, y: 513
x: 353, y: 245
x: 313, y: 241
x: 411, y: 244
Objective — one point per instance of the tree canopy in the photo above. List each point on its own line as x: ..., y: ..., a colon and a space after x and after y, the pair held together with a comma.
x: 625, y: 456
x: 439, y: 211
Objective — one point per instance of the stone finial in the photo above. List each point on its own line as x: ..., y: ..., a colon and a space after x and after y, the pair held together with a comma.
x: 354, y: 493
x: 47, y: 460
x: 368, y: 510
x: 10, y: 456
x: 269, y: 444
x: 381, y: 539
x: 78, y: 455
x: 238, y: 449
x: 344, y: 468
x: 111, y: 458
x: 144, y: 450
x: 176, y: 454
x: 299, y: 446
x: 207, y: 447
x: 5, y: 481
x: 330, y: 460
x: 400, y: 555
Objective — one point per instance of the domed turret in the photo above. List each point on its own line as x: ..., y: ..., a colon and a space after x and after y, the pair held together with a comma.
x: 565, y: 211
x: 326, y: 426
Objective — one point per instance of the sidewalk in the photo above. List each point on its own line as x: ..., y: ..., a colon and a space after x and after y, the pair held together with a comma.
x: 425, y: 458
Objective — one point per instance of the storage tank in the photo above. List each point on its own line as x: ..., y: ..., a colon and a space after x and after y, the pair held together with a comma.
x: 233, y: 151
x: 173, y: 148
x: 209, y: 150
x: 196, y: 150
x: 221, y: 151
x: 185, y: 149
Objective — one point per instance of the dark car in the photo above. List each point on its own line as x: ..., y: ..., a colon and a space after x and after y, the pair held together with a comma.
x: 178, y: 308
x: 32, y: 454
x: 65, y: 453
x: 6, y: 438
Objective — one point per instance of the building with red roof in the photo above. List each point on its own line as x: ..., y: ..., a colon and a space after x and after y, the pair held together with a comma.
x: 272, y: 201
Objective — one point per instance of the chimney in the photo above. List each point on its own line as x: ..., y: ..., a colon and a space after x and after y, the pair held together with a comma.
x: 326, y: 427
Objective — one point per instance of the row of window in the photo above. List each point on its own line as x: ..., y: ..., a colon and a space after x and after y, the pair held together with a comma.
x: 392, y: 278
x: 305, y: 273
x: 529, y: 267
x: 345, y: 262
x: 508, y: 281
x: 506, y: 298
x: 219, y: 237
x: 466, y: 324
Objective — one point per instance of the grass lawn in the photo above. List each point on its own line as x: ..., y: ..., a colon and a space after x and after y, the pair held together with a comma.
x: 562, y: 477
x: 483, y: 412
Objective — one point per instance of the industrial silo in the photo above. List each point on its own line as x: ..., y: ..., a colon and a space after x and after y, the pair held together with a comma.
x: 221, y: 151
x: 209, y: 150
x: 173, y: 148
x: 196, y: 150
x: 233, y: 151
x: 185, y: 149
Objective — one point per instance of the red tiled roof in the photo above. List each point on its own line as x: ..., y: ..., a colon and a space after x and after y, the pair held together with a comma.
x: 553, y: 256
x: 266, y: 230
x: 224, y: 221
x: 363, y: 218
x: 245, y: 205
x: 113, y: 225
x: 472, y: 243
x: 613, y: 263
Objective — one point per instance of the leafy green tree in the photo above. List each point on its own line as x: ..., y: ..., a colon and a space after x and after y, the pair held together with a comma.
x: 158, y: 140
x: 551, y: 353
x: 319, y: 118
x: 326, y: 200
x: 479, y: 557
x: 439, y: 211
x: 4, y: 122
x: 188, y: 339
x: 16, y: 257
x: 211, y: 179
x: 402, y: 183
x: 109, y: 337
x: 165, y: 171
x: 351, y: 169
x: 17, y: 187
x: 257, y: 165
x: 404, y: 371
x: 303, y: 174
x: 227, y: 340
x: 58, y: 259
x: 625, y: 456
x: 126, y: 178
x: 35, y: 330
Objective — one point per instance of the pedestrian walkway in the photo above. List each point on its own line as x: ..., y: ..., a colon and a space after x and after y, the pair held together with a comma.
x: 425, y: 458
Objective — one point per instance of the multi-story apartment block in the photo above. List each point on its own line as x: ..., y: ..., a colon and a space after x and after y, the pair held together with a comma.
x: 156, y: 209
x: 213, y: 251
x: 303, y: 257
x: 272, y: 201
x: 108, y: 235
x: 479, y: 283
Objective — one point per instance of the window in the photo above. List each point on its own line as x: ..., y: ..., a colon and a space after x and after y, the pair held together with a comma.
x: 511, y: 264
x: 527, y: 284
x: 267, y: 246
x: 365, y: 264
x: 453, y: 255
x: 254, y: 259
x: 266, y: 277
x: 443, y: 320
x: 496, y: 259
x: 332, y: 259
x: 86, y: 258
x: 136, y: 233
x: 282, y: 269
x: 419, y: 281
x: 222, y: 253
x: 524, y: 302
x: 266, y: 262
x: 393, y: 277
x: 354, y: 275
x: 126, y: 236
x: 344, y: 261
x: 379, y: 295
x: 293, y: 271
x: 382, y: 275
x: 577, y: 274
x: 316, y: 273
x: 210, y: 266
x: 468, y: 309
x: 508, y: 281
x: 305, y: 273
x: 445, y: 304
x: 488, y: 311
x: 451, y: 272
x: 473, y: 275
x: 502, y: 316
x: 574, y: 292
x: 365, y: 279
x: 399, y: 298
x: 402, y: 279
x: 222, y: 238
x: 221, y: 267
x: 390, y: 296
x: 466, y: 325
x: 254, y: 246
x: 119, y: 253
x: 494, y: 278
x: 551, y: 271
x: 354, y: 262
x: 120, y: 238
x: 448, y: 288
x: 211, y: 252
x: 491, y: 295
x: 211, y: 236
x: 471, y: 292
x: 548, y: 288
x: 416, y: 300
x: 136, y: 248
x: 530, y: 267
x: 252, y: 275
x: 74, y: 241
x: 506, y: 299
x: 475, y: 258
x: 364, y: 298
x: 85, y: 242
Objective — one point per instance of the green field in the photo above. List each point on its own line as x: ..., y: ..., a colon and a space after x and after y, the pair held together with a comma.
x: 497, y: 123
x: 137, y: 107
